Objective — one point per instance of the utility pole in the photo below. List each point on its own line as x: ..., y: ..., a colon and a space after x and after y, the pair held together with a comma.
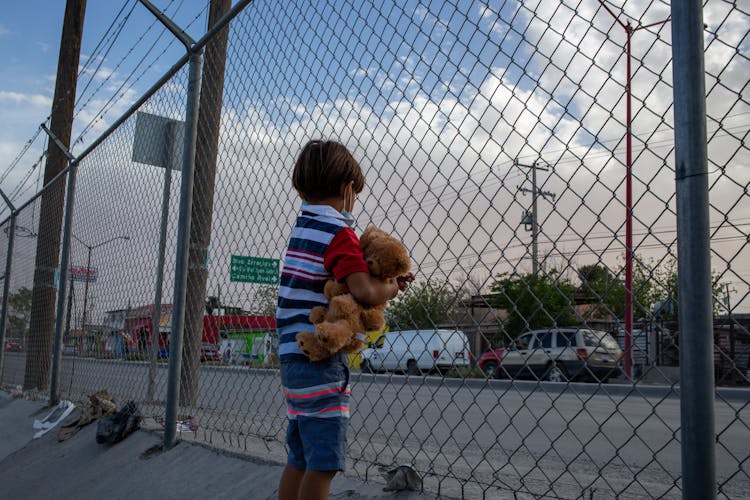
x: 207, y: 146
x: 533, y: 221
x: 42, y: 321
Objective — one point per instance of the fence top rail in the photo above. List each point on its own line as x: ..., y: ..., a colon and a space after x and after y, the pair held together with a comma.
x: 220, y: 24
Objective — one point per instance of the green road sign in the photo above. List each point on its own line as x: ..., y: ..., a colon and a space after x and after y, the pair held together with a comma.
x: 254, y: 270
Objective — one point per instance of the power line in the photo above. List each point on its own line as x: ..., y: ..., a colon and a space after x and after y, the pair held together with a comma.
x: 109, y: 36
x: 20, y: 155
x: 435, y: 263
x: 112, y: 102
x: 122, y: 60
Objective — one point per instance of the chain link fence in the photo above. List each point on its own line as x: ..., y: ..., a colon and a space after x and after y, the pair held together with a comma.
x: 496, y: 141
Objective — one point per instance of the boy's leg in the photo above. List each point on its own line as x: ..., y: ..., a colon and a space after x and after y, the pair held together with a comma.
x: 316, y: 485
x: 289, y: 485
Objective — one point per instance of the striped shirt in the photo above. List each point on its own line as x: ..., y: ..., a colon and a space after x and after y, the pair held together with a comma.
x: 304, y: 274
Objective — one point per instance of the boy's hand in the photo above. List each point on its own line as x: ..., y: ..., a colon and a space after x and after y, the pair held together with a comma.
x: 403, y: 281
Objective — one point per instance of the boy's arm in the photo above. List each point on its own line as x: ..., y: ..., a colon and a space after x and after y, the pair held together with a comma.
x: 369, y: 290
x: 345, y: 261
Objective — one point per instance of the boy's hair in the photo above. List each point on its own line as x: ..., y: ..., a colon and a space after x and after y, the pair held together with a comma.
x: 322, y: 168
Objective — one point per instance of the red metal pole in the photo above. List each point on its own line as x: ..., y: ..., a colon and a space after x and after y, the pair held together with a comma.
x: 628, y: 222
x: 629, y: 30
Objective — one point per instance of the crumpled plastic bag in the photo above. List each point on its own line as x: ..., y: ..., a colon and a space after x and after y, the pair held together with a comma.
x: 401, y: 477
x: 116, y: 428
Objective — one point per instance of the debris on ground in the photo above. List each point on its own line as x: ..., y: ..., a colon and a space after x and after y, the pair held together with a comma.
x: 54, y: 417
x: 116, y: 428
x: 99, y: 405
x: 401, y: 477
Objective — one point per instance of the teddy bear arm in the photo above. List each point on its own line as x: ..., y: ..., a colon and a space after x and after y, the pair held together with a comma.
x: 318, y: 314
x: 334, y: 288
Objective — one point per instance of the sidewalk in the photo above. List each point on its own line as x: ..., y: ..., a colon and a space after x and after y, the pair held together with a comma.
x: 80, y: 468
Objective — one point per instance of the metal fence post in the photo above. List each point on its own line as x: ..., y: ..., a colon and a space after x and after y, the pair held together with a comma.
x: 155, y: 333
x: 693, y: 251
x: 6, y: 280
x: 183, y: 235
x: 54, y: 394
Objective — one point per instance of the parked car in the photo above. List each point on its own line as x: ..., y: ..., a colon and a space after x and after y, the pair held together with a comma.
x: 13, y: 346
x: 559, y: 355
x: 69, y: 349
x: 417, y: 351
x: 490, y: 362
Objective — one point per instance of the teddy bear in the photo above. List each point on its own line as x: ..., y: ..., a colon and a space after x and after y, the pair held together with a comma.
x: 342, y: 325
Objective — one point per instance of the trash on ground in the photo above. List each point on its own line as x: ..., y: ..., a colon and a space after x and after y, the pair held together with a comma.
x: 116, y: 428
x: 54, y: 417
x: 401, y: 477
x: 188, y: 424
x: 99, y: 405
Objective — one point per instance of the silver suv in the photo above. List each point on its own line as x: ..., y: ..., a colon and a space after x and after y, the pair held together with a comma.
x: 563, y: 354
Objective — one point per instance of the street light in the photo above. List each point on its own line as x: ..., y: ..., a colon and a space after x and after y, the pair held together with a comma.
x: 88, y: 272
x: 629, y: 30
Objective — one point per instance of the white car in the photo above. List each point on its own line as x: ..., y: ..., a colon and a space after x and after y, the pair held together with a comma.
x: 417, y: 351
x: 563, y: 354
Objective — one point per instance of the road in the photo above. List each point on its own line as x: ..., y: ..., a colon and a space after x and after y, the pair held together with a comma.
x: 474, y: 438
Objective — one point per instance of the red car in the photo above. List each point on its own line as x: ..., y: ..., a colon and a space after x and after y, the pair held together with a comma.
x: 489, y: 362
x: 13, y: 346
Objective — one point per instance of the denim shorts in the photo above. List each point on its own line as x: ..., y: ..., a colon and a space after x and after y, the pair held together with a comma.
x: 317, y: 396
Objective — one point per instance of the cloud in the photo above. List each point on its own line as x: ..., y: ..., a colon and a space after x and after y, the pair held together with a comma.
x: 5, y: 31
x: 99, y: 74
x: 43, y: 46
x: 439, y: 155
x: 19, y: 98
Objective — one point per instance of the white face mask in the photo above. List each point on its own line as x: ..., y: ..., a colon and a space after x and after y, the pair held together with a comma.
x: 348, y: 217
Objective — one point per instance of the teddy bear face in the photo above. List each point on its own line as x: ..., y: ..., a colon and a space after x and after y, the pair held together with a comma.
x: 386, y: 257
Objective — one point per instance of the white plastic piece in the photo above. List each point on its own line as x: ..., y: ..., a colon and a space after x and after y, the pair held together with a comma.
x: 59, y: 413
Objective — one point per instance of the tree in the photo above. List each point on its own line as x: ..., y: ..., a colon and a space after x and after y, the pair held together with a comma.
x: 534, y: 301
x: 266, y: 300
x: 206, y: 152
x: 666, y: 289
x: 653, y: 281
x: 423, y: 305
x: 608, y: 289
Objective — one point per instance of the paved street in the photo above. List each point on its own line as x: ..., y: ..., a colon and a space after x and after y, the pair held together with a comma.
x: 496, y: 436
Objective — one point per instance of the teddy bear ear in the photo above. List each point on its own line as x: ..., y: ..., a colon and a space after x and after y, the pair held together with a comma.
x: 366, y: 234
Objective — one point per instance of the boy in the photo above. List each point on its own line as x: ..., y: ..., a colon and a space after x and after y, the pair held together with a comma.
x: 322, y: 246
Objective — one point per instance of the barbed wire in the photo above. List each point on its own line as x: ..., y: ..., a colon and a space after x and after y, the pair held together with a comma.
x: 119, y: 94
x: 103, y: 109
x: 112, y: 40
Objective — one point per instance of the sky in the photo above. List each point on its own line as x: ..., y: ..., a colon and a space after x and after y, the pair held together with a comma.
x: 441, y: 103
x: 30, y: 35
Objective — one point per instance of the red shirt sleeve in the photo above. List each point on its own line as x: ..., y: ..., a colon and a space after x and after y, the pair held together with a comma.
x: 344, y: 255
